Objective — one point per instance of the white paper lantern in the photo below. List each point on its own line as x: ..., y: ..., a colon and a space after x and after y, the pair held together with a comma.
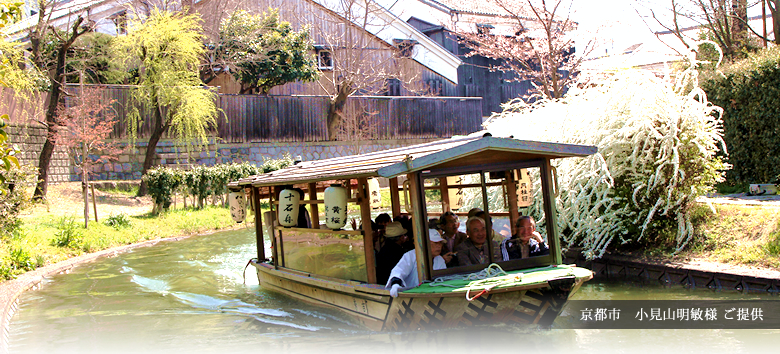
x: 288, y: 207
x: 373, y: 193
x: 237, y: 204
x: 455, y: 194
x: 335, y: 206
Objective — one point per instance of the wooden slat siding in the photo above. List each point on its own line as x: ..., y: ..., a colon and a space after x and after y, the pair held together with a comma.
x: 251, y: 118
x: 322, y: 21
x: 22, y: 109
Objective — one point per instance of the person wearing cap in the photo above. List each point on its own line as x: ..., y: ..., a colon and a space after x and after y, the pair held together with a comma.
x: 391, y: 252
x: 404, y: 274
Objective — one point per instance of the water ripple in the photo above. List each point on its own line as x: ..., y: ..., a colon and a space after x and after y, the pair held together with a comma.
x: 151, y: 285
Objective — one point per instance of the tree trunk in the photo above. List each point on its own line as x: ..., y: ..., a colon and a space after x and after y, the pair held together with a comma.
x: 85, y: 194
x: 44, y: 159
x: 43, y: 168
x: 739, y: 29
x: 336, y: 109
x: 94, y: 201
x: 52, y: 128
x: 151, y: 148
x: 775, y: 14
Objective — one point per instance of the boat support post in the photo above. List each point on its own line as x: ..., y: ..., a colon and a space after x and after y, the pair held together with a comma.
x: 364, y: 200
x: 258, y: 225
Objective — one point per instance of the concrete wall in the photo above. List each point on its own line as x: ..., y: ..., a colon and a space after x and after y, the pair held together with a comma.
x: 172, y: 154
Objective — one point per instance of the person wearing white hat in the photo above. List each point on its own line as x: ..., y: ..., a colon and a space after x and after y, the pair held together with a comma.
x: 404, y: 274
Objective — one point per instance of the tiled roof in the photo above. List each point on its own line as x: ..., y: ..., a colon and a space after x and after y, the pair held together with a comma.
x: 400, y: 161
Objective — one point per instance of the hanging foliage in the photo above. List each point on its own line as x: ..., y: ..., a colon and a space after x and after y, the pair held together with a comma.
x: 165, y: 51
x: 657, y: 151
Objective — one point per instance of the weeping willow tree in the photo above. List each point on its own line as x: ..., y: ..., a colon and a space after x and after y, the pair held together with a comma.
x: 658, y: 143
x: 164, y: 51
x: 15, y: 179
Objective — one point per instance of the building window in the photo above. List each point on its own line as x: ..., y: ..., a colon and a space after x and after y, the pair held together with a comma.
x: 324, y: 60
x: 405, y: 47
x: 120, y: 22
x: 392, y: 87
x: 484, y: 28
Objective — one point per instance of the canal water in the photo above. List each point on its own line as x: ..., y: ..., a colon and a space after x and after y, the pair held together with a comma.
x: 190, y: 296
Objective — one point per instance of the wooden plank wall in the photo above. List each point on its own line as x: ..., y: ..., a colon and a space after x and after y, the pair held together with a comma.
x: 255, y: 118
x: 22, y: 109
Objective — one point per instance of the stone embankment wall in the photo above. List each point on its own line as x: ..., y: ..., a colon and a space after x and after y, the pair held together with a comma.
x: 129, y: 163
x: 720, y: 278
x: 29, y: 140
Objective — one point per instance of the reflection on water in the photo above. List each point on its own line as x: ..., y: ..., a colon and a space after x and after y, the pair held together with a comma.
x: 189, y: 296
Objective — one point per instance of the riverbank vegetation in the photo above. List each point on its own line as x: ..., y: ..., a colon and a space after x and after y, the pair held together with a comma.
x: 737, y: 234
x: 50, y: 232
x: 47, y: 239
x: 47, y: 234
x: 658, y: 143
x: 202, y: 182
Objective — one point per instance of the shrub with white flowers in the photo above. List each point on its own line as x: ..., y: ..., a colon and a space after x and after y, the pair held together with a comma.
x: 658, y: 143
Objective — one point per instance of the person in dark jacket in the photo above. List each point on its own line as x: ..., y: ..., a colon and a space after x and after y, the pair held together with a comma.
x: 448, y: 224
x: 391, y: 251
x: 474, y: 250
x: 525, y: 242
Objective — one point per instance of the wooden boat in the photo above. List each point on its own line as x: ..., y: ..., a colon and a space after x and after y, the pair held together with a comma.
x: 336, y: 268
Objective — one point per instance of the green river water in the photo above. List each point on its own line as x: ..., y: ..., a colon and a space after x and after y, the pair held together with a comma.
x: 189, y: 296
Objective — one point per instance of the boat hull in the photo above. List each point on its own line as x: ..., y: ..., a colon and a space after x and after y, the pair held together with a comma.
x: 371, y: 305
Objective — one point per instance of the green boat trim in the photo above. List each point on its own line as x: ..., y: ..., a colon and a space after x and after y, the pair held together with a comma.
x: 512, y: 279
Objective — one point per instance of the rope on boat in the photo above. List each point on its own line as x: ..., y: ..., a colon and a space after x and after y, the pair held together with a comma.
x: 485, y: 280
x: 245, y: 267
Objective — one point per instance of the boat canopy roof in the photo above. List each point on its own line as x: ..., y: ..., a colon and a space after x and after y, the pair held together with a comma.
x: 450, y: 153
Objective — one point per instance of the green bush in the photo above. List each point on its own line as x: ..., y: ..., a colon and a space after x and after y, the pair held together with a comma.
x: 68, y: 234
x: 20, y: 259
x: 15, y: 181
x: 162, y: 183
x: 118, y: 221
x: 201, y: 181
x: 14, y: 196
x: 749, y: 93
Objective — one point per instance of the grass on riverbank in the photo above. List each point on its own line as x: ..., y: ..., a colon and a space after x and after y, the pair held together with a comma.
x: 738, y: 234
x: 52, y: 234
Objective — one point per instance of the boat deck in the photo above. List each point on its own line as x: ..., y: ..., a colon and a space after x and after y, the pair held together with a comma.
x: 530, y: 278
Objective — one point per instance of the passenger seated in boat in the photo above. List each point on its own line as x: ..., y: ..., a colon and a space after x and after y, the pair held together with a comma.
x: 448, y: 224
x: 495, y: 236
x: 304, y: 220
x: 474, y: 249
x: 381, y: 222
x: 404, y: 274
x: 433, y: 224
x: 406, y: 222
x: 525, y: 242
x: 391, y: 252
